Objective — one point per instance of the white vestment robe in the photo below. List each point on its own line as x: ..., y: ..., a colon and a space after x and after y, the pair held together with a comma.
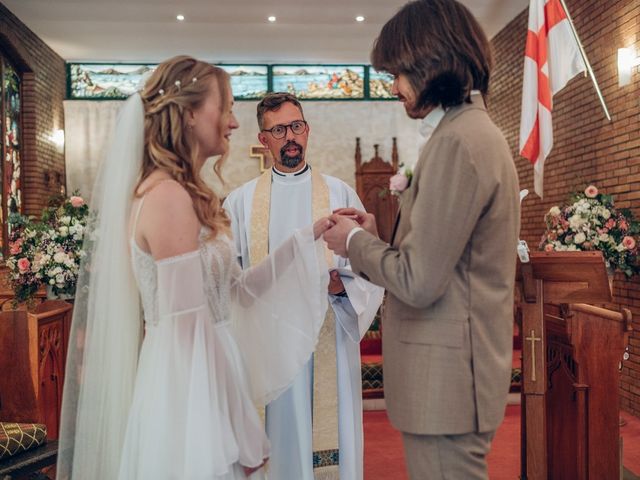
x: 289, y: 417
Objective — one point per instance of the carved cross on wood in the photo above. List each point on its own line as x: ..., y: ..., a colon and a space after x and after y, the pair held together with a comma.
x: 533, y: 341
x: 263, y: 154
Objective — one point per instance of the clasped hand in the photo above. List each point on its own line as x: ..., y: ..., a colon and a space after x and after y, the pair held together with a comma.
x: 343, y: 221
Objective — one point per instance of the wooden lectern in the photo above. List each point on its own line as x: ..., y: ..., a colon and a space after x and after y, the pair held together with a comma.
x: 570, y: 378
x: 33, y: 350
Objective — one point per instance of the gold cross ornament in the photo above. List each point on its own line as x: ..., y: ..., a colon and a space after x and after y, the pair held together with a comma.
x: 533, y: 341
x: 263, y: 154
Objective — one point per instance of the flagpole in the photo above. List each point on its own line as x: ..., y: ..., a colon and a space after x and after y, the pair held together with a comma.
x: 586, y: 61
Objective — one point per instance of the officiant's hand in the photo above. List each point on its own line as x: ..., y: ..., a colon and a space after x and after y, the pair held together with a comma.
x: 364, y: 219
x: 321, y: 226
x: 336, y: 236
x: 336, y: 286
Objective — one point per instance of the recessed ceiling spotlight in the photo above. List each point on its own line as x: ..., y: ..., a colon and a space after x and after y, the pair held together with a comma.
x: 180, y: 17
x: 359, y: 18
x: 272, y: 18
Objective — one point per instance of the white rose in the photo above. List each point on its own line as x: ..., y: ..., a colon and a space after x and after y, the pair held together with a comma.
x: 52, y: 282
x: 572, y: 248
x: 72, y: 229
x: 576, y: 221
x: 66, y: 220
x: 603, y: 237
x: 59, y: 257
x: 554, y: 211
x: 64, y: 231
x: 579, y: 238
x: 606, y: 214
x: 621, y: 248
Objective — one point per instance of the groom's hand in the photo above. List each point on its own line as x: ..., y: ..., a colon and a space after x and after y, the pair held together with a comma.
x: 364, y: 219
x: 336, y: 236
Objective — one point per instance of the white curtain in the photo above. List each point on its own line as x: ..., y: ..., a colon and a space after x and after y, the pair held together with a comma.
x: 88, y: 126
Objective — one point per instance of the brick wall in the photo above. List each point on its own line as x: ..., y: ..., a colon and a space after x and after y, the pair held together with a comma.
x: 43, y: 88
x: 587, y: 148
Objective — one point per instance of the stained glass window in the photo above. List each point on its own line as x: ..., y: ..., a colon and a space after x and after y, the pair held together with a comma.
x: 10, y: 110
x: 380, y: 84
x: 321, y: 83
x: 105, y: 81
x: 248, y: 81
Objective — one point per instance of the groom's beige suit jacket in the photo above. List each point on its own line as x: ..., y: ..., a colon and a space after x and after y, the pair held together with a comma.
x: 449, y: 275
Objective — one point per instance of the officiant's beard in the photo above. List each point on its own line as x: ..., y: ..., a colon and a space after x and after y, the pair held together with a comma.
x: 288, y: 161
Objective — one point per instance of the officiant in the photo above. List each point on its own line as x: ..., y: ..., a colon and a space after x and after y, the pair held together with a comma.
x: 315, y: 427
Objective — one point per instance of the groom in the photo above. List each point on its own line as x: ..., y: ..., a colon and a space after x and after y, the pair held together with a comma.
x: 315, y: 427
x: 450, y: 269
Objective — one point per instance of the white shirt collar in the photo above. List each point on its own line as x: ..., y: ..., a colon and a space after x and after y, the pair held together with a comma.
x: 432, y: 120
x: 289, y: 178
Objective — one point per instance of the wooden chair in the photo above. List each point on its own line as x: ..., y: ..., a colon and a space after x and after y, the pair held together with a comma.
x: 372, y: 186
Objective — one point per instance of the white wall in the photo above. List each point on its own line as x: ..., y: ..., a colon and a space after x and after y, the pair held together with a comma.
x: 334, y: 127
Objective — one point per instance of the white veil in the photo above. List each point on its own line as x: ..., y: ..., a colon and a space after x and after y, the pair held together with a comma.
x: 107, y: 322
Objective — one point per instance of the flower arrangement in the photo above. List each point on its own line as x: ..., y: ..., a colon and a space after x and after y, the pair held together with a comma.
x: 399, y: 182
x: 47, y: 252
x: 591, y: 222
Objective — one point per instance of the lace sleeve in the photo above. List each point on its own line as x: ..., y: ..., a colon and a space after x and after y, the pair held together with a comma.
x: 278, y: 307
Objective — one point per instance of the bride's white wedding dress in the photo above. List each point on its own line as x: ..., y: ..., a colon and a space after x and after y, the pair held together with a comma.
x: 218, y: 341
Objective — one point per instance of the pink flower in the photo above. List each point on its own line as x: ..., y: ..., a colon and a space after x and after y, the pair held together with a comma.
x: 591, y: 191
x: 629, y: 243
x: 398, y: 183
x: 23, y: 265
x: 548, y: 247
x: 16, y: 247
x: 76, y: 201
x: 610, y: 223
x: 623, y: 225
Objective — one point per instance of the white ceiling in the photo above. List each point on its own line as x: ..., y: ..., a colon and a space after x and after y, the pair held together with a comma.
x: 306, y: 31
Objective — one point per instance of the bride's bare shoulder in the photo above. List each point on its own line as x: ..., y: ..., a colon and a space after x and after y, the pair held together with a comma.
x: 171, y: 224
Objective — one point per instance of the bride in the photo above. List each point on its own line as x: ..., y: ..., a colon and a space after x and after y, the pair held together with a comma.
x: 177, y: 398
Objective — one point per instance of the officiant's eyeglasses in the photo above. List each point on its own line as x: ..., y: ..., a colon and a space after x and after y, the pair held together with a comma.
x: 298, y: 127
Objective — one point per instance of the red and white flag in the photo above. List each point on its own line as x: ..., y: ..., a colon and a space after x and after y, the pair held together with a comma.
x: 552, y: 58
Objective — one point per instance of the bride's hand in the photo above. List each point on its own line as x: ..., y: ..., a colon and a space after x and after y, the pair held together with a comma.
x: 321, y: 226
x: 248, y: 471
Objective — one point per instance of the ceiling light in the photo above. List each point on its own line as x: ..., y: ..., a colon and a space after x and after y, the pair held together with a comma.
x: 272, y: 19
x: 359, y: 18
x: 180, y: 17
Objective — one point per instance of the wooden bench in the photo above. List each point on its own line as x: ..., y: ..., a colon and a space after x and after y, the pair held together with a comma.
x: 29, y: 463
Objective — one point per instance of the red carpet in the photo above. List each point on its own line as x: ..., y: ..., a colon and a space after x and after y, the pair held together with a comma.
x: 384, y: 456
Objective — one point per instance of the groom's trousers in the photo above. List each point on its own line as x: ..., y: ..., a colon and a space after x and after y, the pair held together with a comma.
x: 447, y: 457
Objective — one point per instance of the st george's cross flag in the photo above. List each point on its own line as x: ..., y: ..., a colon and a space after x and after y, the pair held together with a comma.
x: 552, y: 58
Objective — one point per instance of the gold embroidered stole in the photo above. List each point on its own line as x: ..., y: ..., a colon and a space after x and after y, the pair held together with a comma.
x: 325, y: 381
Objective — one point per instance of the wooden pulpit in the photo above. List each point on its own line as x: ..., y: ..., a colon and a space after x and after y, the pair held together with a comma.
x: 33, y: 350
x: 570, y: 378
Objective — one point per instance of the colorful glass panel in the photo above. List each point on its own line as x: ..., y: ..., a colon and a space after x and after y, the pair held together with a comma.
x: 320, y: 82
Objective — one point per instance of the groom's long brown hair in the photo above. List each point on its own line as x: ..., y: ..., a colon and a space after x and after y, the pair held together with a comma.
x: 440, y: 47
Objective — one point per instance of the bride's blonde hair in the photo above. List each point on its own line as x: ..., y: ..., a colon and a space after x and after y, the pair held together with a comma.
x: 178, y: 85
